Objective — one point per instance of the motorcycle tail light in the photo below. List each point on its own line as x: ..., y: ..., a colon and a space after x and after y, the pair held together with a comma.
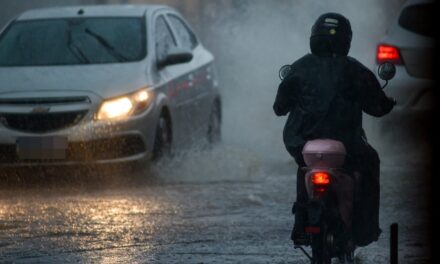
x: 321, y: 178
x: 320, y: 181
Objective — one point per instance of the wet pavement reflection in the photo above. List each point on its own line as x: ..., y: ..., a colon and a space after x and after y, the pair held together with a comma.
x: 175, y: 213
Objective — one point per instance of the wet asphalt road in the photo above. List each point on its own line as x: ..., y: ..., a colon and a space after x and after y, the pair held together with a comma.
x: 225, y: 205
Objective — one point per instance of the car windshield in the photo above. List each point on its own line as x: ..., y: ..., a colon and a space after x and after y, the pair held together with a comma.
x: 73, y: 41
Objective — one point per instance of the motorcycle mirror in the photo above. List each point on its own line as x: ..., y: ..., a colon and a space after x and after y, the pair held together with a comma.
x: 387, y: 71
x: 284, y: 71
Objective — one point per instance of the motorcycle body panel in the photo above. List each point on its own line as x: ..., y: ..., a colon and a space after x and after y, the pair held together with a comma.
x: 331, y: 191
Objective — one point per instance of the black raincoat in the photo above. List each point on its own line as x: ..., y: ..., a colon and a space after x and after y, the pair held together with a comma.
x: 325, y: 97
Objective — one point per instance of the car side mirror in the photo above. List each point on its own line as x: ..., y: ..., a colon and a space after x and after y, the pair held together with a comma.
x: 386, y: 71
x: 175, y: 56
x: 284, y: 71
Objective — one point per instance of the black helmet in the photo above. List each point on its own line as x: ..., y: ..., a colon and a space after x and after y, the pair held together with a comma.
x: 331, y: 35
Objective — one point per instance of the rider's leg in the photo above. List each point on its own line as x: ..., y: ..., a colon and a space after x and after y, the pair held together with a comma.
x: 372, y: 189
x: 300, y: 209
x: 300, y: 206
x: 366, y: 212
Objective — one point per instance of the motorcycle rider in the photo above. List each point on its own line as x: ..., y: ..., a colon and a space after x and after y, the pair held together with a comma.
x: 325, y: 93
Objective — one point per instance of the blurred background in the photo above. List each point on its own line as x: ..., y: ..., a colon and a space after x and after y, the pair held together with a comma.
x: 217, y: 203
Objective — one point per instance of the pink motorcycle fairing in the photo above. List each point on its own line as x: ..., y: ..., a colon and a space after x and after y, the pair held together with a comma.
x: 324, y: 153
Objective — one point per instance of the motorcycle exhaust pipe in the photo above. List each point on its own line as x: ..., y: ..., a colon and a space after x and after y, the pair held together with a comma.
x: 394, y: 254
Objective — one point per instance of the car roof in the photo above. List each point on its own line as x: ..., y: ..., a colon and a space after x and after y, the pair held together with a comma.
x: 417, y: 2
x: 90, y: 11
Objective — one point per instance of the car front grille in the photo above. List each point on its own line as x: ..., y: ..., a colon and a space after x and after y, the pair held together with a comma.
x: 44, y: 101
x: 41, y: 123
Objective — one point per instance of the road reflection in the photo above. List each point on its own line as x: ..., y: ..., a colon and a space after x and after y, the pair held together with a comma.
x: 38, y: 223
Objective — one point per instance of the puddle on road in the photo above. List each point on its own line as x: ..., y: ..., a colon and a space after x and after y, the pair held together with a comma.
x: 79, y: 219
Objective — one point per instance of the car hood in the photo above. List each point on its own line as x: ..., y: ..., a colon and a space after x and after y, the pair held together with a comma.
x: 106, y: 81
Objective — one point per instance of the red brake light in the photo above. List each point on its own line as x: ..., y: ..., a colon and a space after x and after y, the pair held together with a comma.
x: 387, y: 53
x: 313, y: 230
x: 321, y: 178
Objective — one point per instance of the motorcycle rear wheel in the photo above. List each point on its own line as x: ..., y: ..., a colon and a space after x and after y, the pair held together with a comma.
x: 321, y: 251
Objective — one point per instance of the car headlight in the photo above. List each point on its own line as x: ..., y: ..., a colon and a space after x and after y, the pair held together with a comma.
x: 124, y: 106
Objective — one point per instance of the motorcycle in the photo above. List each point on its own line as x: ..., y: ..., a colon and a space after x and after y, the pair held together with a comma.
x: 332, y: 193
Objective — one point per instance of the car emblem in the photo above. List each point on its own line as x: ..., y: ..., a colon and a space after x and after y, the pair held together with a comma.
x: 41, y: 110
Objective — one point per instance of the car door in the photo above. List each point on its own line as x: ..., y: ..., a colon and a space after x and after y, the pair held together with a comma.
x: 174, y: 79
x: 196, y: 74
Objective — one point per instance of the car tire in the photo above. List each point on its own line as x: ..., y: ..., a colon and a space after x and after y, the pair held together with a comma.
x: 162, y: 140
x: 214, y: 126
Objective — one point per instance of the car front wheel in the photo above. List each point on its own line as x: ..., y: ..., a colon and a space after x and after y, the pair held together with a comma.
x: 214, y: 128
x: 162, y: 141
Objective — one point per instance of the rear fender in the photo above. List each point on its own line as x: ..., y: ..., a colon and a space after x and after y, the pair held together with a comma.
x: 342, y: 186
x: 315, y: 210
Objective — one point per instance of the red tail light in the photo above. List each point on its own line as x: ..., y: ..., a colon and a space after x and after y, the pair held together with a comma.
x: 321, y: 178
x: 387, y: 53
x: 313, y: 230
x: 321, y: 182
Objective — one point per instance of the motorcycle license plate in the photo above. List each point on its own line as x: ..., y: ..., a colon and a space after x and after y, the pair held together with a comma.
x: 41, y: 148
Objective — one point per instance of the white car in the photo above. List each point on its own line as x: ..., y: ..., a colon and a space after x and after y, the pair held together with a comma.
x: 409, y: 44
x: 103, y: 84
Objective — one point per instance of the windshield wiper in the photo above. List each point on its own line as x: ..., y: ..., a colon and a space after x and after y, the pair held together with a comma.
x: 75, y: 50
x: 109, y: 48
